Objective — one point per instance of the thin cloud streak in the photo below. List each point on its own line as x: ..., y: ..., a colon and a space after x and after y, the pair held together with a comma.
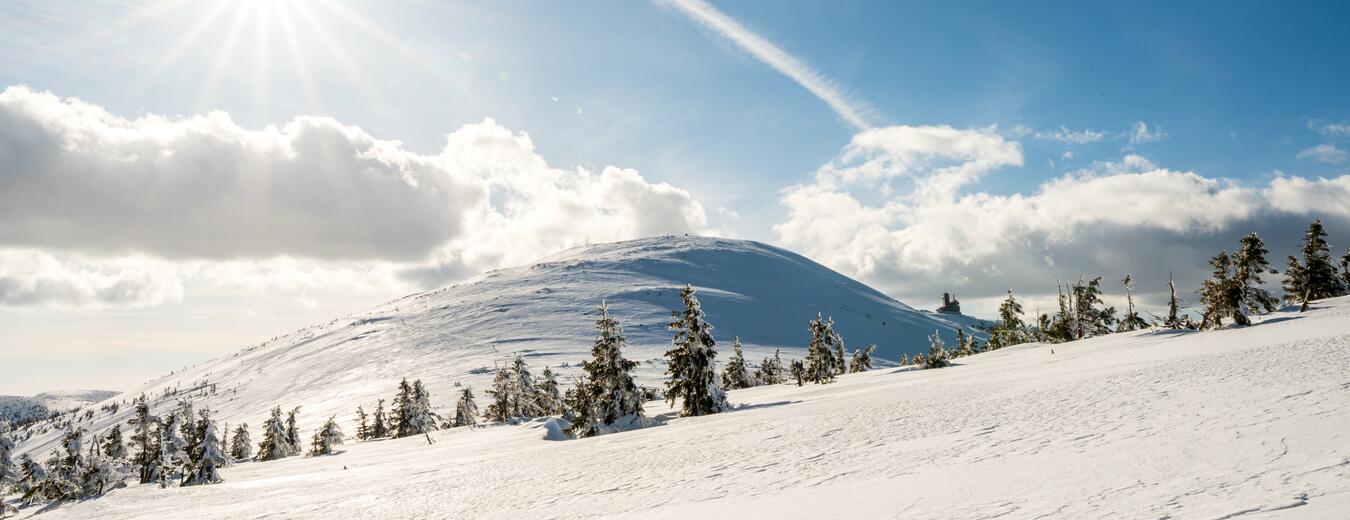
x: 773, y: 56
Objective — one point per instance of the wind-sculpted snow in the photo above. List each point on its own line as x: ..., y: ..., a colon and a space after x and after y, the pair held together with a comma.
x: 546, y: 312
x: 1136, y: 425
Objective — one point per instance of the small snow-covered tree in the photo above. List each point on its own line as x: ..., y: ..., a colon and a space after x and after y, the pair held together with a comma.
x: 112, y: 444
x: 172, y: 448
x: 1131, y: 321
x: 241, y: 446
x: 379, y: 428
x: 466, y: 411
x: 325, y: 438
x: 206, y: 456
x: 31, y: 477
x: 146, y: 442
x: 862, y: 359
x: 362, y: 425
x: 8, y: 471
x: 962, y: 344
x: 798, y: 371
x: 821, y: 360
x: 1316, y: 277
x: 525, y: 395
x: 422, y: 419
x: 770, y: 371
x: 548, y: 397
x: 690, y: 364
x: 501, y: 407
x: 1220, y: 294
x: 840, y: 362
x: 1175, y: 320
x: 292, y: 432
x: 1249, y: 263
x: 1088, y: 317
x: 606, y: 394
x: 937, y: 353
x: 736, y: 375
x: 275, y: 444
x: 904, y: 360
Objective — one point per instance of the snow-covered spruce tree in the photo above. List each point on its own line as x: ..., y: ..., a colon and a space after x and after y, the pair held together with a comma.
x: 1316, y: 278
x: 292, y: 433
x: 690, y: 364
x: 186, y: 420
x: 112, y: 444
x: 325, y: 438
x: 1220, y: 295
x: 423, y: 419
x: 798, y: 371
x: 904, y: 359
x: 526, y: 395
x: 1131, y: 321
x: 1295, y: 282
x: 379, y: 428
x: 501, y: 407
x: 606, y: 394
x: 8, y: 472
x: 770, y: 371
x: 206, y: 456
x: 1345, y: 267
x: 548, y: 397
x: 1009, y: 330
x: 736, y: 375
x: 362, y: 425
x: 1062, y: 327
x: 579, y: 409
x: 937, y: 353
x: 965, y: 344
x: 840, y: 362
x: 274, y: 445
x: 820, y: 360
x: 145, y: 441
x: 862, y: 359
x: 172, y: 449
x: 1249, y: 263
x: 241, y: 446
x: 466, y: 411
x: 31, y: 478
x: 1090, y: 319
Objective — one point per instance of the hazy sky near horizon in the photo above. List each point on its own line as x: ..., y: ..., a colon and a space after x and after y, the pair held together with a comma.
x: 182, y: 178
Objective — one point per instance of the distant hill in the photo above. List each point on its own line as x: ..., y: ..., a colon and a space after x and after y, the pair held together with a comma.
x: 20, y: 409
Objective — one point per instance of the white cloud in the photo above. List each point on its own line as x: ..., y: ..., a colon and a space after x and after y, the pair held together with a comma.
x: 1325, y: 152
x: 1141, y: 133
x: 1330, y: 129
x: 1112, y: 218
x: 773, y: 56
x: 310, y: 198
x: 1065, y: 135
x: 37, y: 278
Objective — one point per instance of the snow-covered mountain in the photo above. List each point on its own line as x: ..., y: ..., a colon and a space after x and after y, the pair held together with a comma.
x: 1243, y: 422
x: 17, y: 409
x: 763, y: 294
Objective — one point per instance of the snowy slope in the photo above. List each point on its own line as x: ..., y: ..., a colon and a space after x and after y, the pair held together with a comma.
x: 1241, y: 422
x: 15, y: 408
x: 546, y: 311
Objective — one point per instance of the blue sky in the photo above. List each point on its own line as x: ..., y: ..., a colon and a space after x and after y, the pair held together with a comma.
x: 1234, y: 99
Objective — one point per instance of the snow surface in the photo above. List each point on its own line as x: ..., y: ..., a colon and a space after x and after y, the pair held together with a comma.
x: 1246, y: 422
x: 546, y: 312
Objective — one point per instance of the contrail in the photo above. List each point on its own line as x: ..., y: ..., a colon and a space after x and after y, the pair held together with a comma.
x: 708, y: 16
x: 772, y: 56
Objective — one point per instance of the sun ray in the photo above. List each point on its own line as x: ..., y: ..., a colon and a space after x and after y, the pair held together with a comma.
x: 184, y: 43
x: 298, y: 63
x: 429, y: 66
x: 220, y: 63
x: 262, y: 59
x: 355, y: 76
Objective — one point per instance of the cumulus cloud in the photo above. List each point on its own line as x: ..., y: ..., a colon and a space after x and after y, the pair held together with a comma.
x: 1065, y: 135
x: 1112, y: 218
x: 37, y: 278
x: 203, y: 189
x: 1325, y: 152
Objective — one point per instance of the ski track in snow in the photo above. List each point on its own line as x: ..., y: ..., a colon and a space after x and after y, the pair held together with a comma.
x: 1239, y: 423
